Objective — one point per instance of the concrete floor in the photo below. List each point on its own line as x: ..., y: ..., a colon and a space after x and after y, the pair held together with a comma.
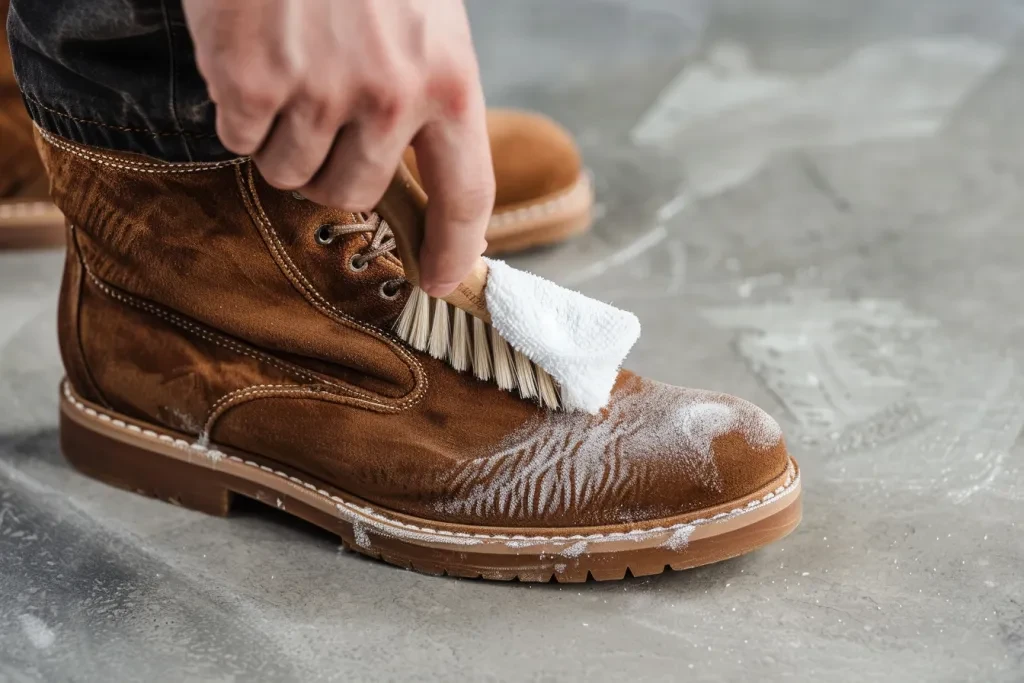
x: 813, y: 204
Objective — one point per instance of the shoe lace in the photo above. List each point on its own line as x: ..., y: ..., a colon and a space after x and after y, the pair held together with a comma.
x: 383, y: 241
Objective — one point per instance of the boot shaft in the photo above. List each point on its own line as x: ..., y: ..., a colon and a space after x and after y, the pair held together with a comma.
x: 216, y: 244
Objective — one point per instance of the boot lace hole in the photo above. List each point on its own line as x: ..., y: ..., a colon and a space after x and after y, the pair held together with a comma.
x: 391, y: 289
x: 324, y: 235
x: 357, y: 263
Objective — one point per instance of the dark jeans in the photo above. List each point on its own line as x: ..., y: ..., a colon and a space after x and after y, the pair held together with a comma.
x: 119, y: 74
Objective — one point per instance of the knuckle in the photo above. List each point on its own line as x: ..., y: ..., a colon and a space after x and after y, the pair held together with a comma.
x: 323, y: 107
x: 240, y: 139
x: 289, y: 63
x: 385, y: 102
x: 451, y: 93
x: 390, y: 99
x: 320, y: 112
x: 254, y: 96
x: 380, y: 95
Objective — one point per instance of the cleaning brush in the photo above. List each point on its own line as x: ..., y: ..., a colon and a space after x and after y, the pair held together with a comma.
x: 468, y: 343
x: 507, y: 326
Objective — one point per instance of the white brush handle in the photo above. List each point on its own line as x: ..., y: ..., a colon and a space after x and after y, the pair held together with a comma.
x: 404, y: 208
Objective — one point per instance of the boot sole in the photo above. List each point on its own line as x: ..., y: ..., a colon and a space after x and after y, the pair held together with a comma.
x: 30, y: 225
x: 159, y: 463
x: 549, y: 220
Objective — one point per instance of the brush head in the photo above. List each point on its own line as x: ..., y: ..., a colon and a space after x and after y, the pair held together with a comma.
x: 548, y: 343
x: 469, y: 344
x: 522, y: 332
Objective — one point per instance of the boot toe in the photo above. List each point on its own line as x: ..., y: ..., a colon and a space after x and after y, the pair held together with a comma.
x: 695, y: 449
x: 739, y: 448
x: 655, y: 452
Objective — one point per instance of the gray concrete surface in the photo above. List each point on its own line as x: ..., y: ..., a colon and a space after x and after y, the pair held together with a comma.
x: 814, y: 204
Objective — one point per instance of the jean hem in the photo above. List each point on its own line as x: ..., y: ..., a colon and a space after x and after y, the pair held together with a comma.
x: 169, y: 146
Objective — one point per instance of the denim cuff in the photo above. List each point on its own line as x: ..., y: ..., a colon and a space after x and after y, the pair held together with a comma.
x: 116, y: 74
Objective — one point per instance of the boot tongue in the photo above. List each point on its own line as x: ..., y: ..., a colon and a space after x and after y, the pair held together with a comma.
x: 404, y: 208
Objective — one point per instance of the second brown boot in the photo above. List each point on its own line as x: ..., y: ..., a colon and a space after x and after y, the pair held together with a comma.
x: 543, y: 193
x: 28, y: 219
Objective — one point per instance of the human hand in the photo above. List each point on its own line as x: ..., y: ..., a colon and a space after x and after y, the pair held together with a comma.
x: 325, y: 95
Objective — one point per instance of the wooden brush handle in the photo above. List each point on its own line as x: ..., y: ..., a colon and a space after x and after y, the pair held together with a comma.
x: 404, y: 208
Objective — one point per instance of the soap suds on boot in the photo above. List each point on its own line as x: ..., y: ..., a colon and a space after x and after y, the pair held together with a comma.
x: 565, y: 461
x: 680, y: 538
x: 361, y: 537
x: 579, y: 341
x: 575, y: 550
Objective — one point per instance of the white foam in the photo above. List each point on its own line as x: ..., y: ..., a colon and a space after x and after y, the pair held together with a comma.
x: 361, y: 537
x: 579, y: 341
x: 36, y: 630
x: 525, y: 542
x: 381, y: 525
x: 680, y: 538
x: 575, y: 550
x: 574, y: 460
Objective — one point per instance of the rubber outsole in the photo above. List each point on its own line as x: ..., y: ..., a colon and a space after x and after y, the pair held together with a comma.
x: 543, y: 222
x: 159, y: 463
x: 30, y: 225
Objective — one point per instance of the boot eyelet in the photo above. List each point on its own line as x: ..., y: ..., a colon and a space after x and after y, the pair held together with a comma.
x: 324, y: 235
x: 357, y: 264
x: 390, y: 289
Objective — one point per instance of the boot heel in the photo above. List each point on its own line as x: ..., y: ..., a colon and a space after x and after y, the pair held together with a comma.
x: 136, y: 469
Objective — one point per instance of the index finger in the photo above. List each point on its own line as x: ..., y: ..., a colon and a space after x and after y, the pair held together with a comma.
x: 454, y: 160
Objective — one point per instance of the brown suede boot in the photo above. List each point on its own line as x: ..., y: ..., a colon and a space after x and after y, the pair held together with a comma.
x: 218, y: 341
x: 543, y: 193
x: 27, y: 217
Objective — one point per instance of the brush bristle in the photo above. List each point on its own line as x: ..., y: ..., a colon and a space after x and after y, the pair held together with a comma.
x: 446, y: 333
x: 440, y: 334
x: 524, y: 375
x: 460, y: 349
x: 504, y: 374
x: 546, y: 388
x: 481, y: 350
x: 403, y: 328
x: 419, y: 337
